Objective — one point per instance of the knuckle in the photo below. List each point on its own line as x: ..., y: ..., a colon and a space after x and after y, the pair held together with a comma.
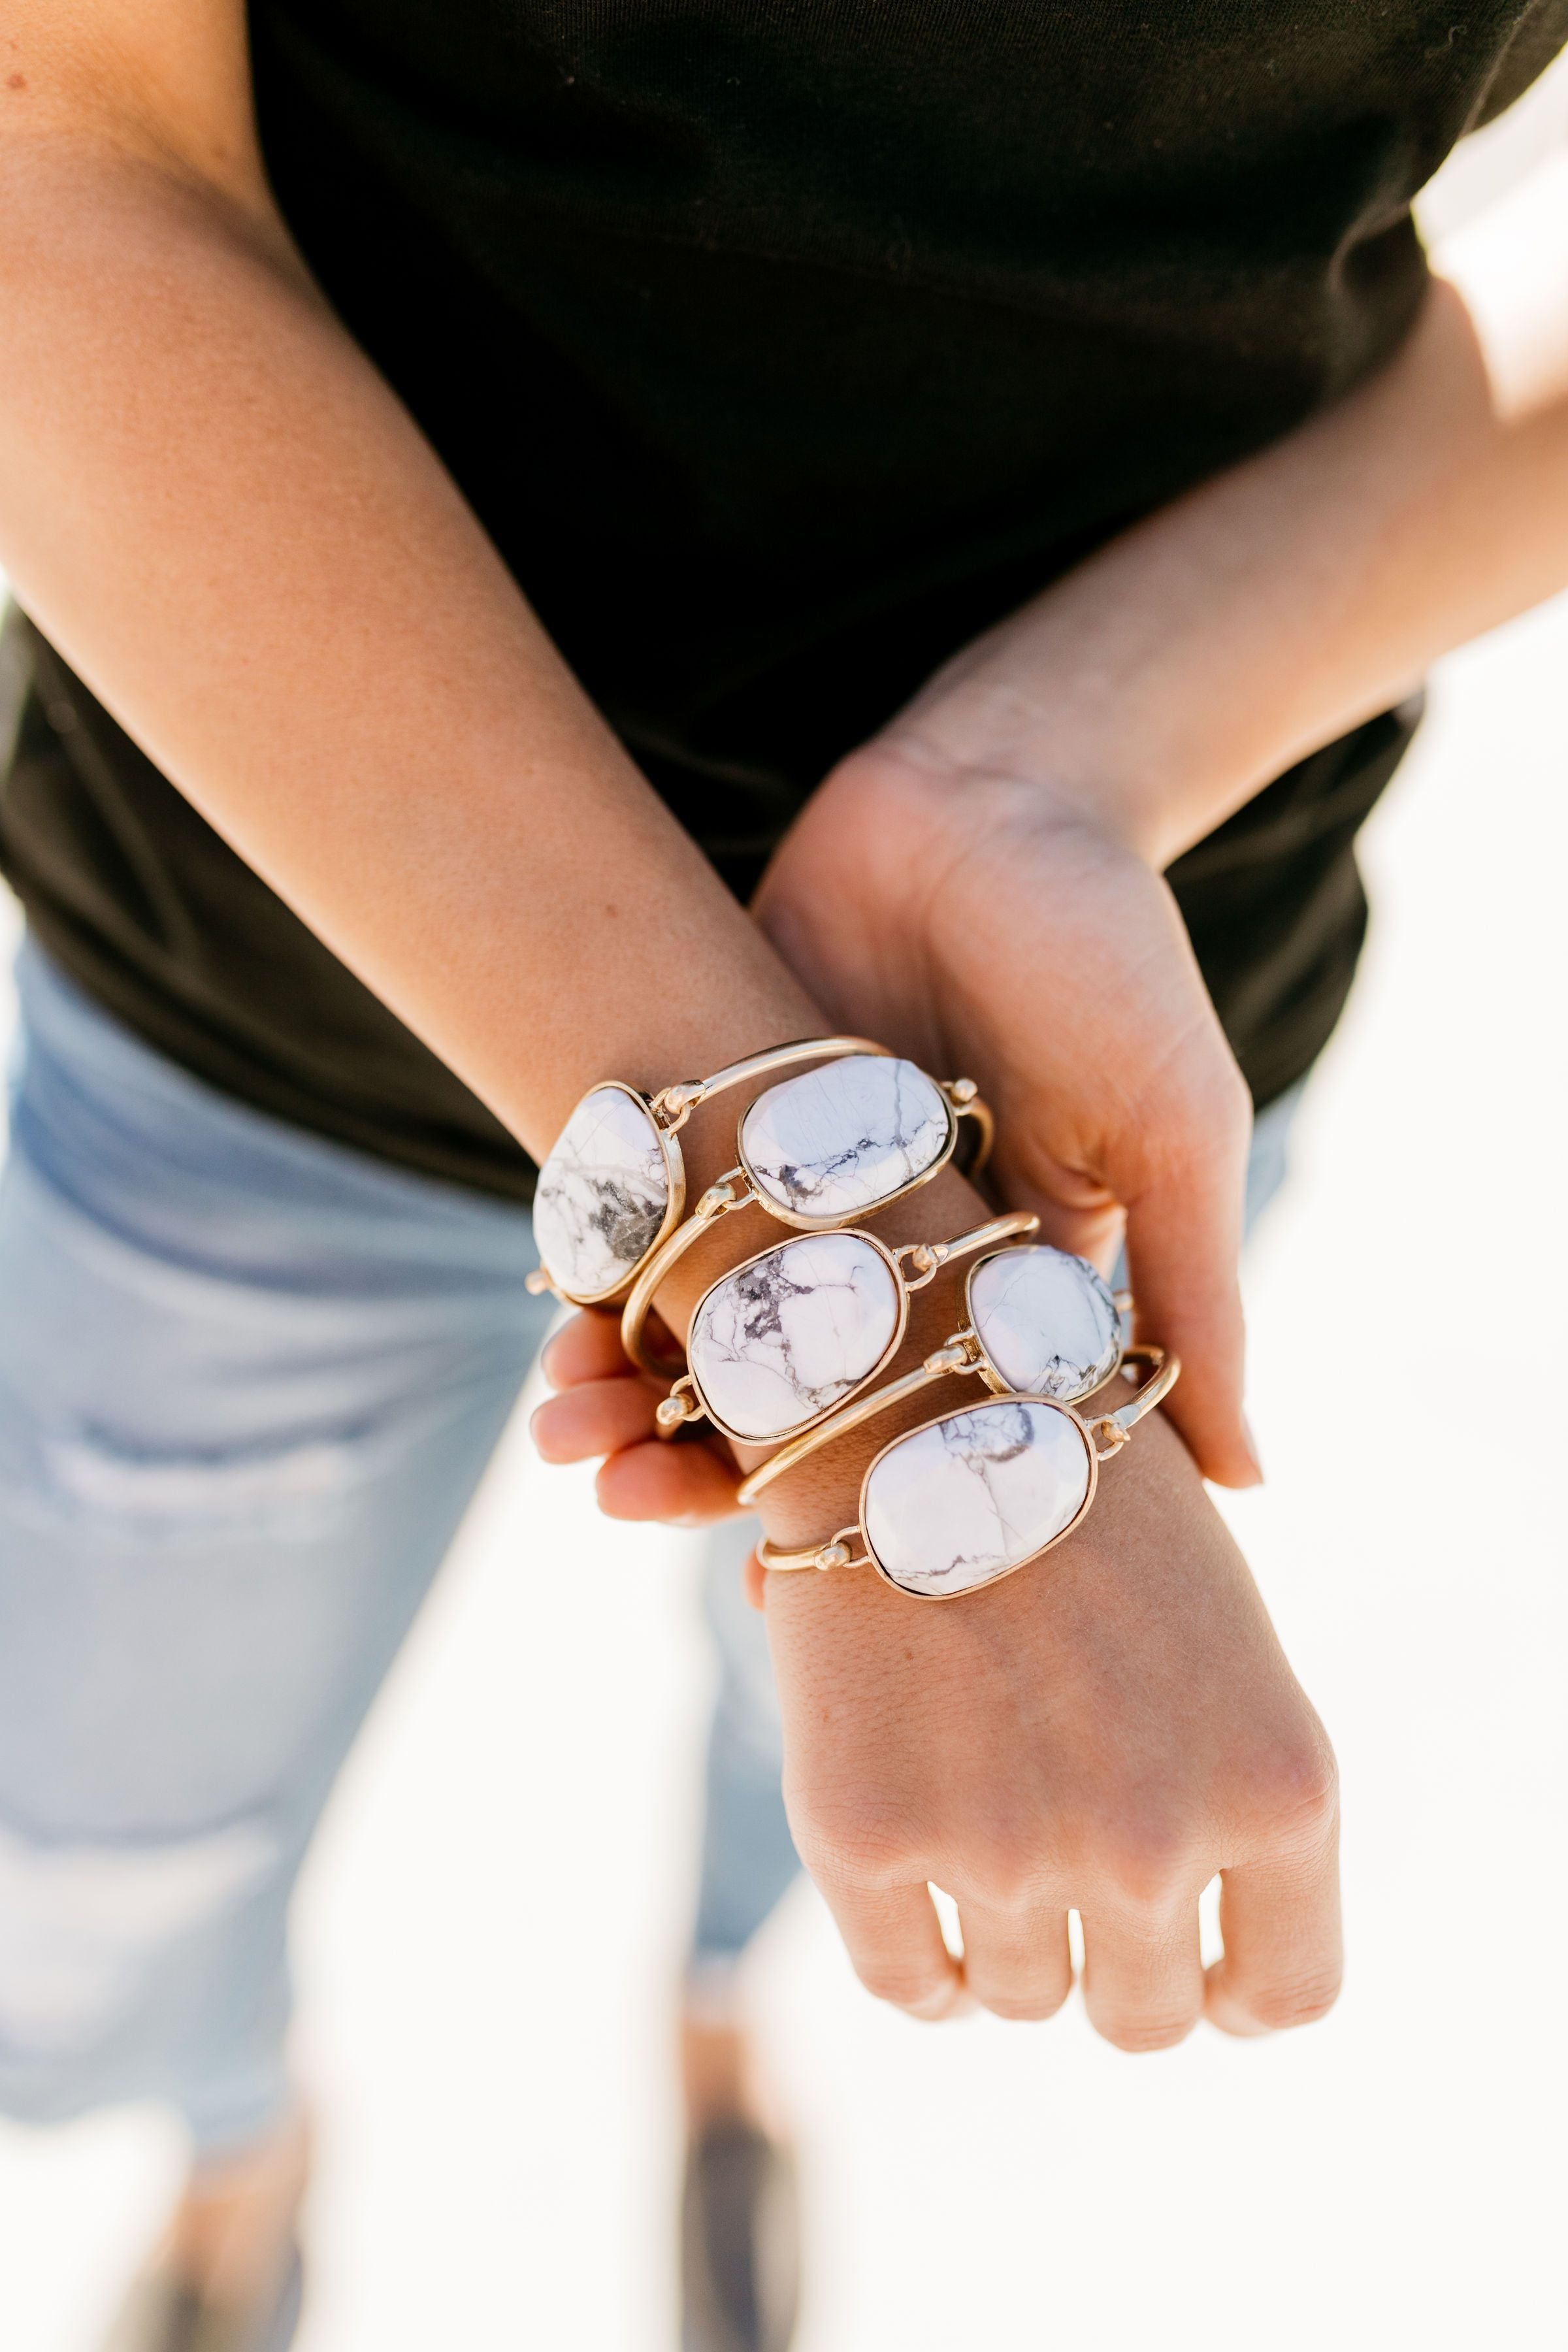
x: 1298, y: 1790
x: 860, y: 1849
x: 1202, y: 1117
x: 1148, y: 1862
x: 1009, y: 1861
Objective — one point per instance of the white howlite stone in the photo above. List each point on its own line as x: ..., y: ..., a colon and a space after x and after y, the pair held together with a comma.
x: 834, y: 1142
x: 960, y: 1503
x: 781, y: 1340
x: 602, y: 1194
x: 1046, y: 1321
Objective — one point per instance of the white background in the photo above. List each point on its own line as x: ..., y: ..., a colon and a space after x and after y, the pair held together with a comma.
x: 491, y: 1927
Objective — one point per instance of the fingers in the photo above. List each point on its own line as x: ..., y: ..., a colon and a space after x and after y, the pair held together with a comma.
x: 1184, y: 1252
x: 690, y: 1485
x: 588, y: 1348
x: 598, y: 1417
x: 1283, y: 1954
x: 604, y: 1409
x: 894, y: 1939
x: 1143, y: 1975
x: 1017, y: 1963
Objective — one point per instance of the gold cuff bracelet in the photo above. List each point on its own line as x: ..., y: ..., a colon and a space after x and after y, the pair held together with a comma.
x: 966, y: 1499
x: 779, y: 1343
x: 613, y: 1184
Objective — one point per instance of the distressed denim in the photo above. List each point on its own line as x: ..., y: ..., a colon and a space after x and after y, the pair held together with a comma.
x: 249, y: 1382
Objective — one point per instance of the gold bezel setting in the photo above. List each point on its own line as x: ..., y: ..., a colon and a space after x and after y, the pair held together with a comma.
x: 1047, y: 1404
x: 831, y: 1220
x: 794, y: 1241
x: 1114, y: 1428
x: 926, y: 1258
x: 674, y: 1207
x: 997, y: 1382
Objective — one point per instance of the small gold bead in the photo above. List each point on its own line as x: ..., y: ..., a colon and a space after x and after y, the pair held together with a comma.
x: 833, y: 1555
x: 673, y: 1410
x: 963, y: 1090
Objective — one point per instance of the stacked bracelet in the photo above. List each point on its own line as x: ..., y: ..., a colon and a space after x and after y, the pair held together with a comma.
x: 786, y: 1346
x: 1040, y: 1324
x: 818, y: 1151
x: 967, y: 1498
x: 613, y: 1183
x: 782, y: 1342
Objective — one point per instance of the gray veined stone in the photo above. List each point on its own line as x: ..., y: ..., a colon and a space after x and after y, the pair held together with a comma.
x: 1048, y: 1322
x: 972, y: 1496
x: 602, y: 1195
x: 783, y: 1339
x: 837, y: 1140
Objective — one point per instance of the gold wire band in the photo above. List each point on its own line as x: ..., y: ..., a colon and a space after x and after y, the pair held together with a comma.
x: 1115, y: 1428
x: 730, y: 1192
x: 673, y: 1105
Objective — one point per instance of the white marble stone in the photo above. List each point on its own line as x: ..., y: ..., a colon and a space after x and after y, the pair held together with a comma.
x: 602, y: 1195
x: 960, y: 1503
x: 781, y: 1340
x: 1046, y: 1322
x: 835, y: 1141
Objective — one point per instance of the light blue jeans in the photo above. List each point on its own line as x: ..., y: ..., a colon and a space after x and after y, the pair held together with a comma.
x: 249, y: 1382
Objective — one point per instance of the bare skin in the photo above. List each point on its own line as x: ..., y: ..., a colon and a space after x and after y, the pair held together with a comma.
x: 215, y: 505
x: 229, y: 2236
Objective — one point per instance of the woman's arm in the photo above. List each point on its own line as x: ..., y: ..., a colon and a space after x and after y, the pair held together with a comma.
x: 1175, y: 673
x: 215, y: 505
x: 1006, y: 833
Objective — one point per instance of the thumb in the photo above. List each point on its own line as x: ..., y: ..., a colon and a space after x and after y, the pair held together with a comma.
x: 1184, y: 1252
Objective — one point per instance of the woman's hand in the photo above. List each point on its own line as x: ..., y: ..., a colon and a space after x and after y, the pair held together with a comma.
x: 1103, y: 1731
x: 986, y: 922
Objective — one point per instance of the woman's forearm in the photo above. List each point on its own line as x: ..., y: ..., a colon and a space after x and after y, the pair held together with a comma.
x: 215, y: 505
x: 1176, y: 672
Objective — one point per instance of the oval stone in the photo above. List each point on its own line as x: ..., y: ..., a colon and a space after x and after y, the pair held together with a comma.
x: 972, y: 1496
x: 1046, y: 1322
x: 603, y: 1194
x: 781, y: 1340
x: 839, y: 1139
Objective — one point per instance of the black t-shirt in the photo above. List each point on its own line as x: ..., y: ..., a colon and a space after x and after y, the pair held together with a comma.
x: 779, y: 350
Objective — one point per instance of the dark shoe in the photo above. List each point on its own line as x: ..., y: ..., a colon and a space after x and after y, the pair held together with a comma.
x: 163, y: 2314
x: 740, y: 2242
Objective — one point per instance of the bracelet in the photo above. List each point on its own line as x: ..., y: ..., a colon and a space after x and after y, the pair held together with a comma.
x: 817, y: 1151
x: 780, y: 1341
x: 970, y: 1497
x: 1041, y: 1324
x: 613, y: 1182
